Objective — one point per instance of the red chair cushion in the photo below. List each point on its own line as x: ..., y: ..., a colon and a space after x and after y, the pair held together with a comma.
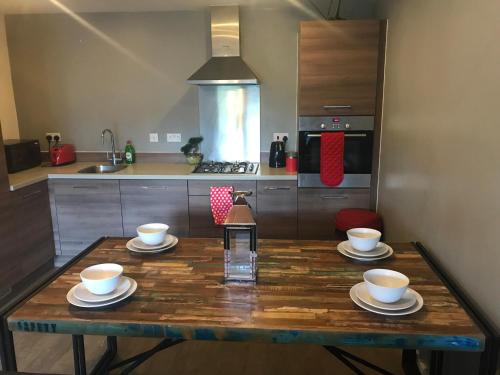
x: 349, y: 218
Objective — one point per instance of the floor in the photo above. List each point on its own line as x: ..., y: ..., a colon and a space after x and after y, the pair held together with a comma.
x: 45, y: 353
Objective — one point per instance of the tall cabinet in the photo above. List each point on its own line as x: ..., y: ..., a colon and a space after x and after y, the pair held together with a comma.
x: 340, y: 73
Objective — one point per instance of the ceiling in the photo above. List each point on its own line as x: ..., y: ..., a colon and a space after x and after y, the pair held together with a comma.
x: 51, y: 6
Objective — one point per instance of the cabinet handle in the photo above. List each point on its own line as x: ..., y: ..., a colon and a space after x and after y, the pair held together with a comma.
x: 333, y: 196
x: 85, y: 187
x: 32, y: 194
x: 277, y: 188
x: 154, y: 187
x: 341, y: 106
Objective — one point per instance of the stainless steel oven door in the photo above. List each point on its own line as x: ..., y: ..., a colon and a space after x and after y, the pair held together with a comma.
x: 358, y: 149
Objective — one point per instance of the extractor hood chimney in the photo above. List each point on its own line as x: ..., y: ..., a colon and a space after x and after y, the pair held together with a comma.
x: 225, y: 67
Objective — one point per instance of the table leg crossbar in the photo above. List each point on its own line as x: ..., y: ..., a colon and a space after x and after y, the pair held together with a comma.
x: 104, y: 365
x: 347, y: 359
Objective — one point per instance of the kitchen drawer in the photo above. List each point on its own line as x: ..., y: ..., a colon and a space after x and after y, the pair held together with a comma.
x: 317, y: 209
x: 201, y: 222
x: 202, y: 187
x: 153, y: 201
x: 277, y: 209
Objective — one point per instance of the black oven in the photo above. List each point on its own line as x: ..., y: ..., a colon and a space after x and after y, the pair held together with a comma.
x: 358, y: 149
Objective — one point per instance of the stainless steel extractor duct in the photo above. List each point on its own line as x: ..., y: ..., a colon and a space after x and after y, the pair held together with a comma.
x: 225, y: 67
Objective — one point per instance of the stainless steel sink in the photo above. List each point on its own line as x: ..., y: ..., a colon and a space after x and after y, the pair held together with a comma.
x: 103, y: 168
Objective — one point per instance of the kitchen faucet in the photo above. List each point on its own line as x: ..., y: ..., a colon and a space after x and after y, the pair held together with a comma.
x: 114, y: 160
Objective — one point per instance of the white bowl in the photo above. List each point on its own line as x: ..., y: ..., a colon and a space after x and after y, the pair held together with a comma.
x: 152, y: 234
x: 101, y: 278
x: 386, y: 285
x: 364, y: 239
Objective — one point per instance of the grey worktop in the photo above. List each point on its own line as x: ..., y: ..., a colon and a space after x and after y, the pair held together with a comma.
x: 139, y: 171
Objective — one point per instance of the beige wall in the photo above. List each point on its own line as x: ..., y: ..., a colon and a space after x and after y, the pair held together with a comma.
x: 8, y: 115
x: 440, y: 171
x: 67, y: 79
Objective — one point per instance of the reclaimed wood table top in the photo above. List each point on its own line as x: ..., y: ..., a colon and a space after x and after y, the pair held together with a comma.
x: 302, y: 295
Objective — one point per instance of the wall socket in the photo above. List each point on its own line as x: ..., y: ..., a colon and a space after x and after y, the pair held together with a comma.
x: 281, y: 135
x: 174, y: 137
x: 53, y: 135
x: 153, y: 137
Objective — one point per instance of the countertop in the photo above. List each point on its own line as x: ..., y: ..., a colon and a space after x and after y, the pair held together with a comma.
x: 139, y: 171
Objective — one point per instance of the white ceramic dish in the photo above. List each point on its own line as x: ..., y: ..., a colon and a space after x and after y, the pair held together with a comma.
x: 132, y: 248
x: 138, y: 244
x: 389, y: 253
x: 101, y: 278
x: 407, y: 300
x: 76, y: 302
x: 153, y: 233
x: 416, y: 307
x: 84, y: 295
x: 385, y: 285
x: 363, y: 239
x: 380, y: 250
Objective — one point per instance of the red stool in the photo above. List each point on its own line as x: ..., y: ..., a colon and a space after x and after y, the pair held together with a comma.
x: 349, y: 218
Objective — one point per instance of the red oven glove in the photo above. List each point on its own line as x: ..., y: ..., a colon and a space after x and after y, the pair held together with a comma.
x: 221, y: 201
x: 332, y: 158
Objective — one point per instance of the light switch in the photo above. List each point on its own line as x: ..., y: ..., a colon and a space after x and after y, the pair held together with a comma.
x: 153, y: 137
x: 174, y: 137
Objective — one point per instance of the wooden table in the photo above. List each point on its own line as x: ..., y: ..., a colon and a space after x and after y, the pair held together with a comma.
x: 302, y: 296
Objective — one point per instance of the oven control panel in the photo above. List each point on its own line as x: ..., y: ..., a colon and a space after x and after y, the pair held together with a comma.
x: 336, y: 123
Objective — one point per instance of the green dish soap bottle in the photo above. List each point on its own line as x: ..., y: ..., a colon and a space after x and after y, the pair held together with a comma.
x: 129, y: 153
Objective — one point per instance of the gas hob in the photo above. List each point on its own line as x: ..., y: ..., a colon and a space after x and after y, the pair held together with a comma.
x: 220, y: 167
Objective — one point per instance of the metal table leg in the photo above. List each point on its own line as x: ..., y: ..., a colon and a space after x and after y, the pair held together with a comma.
x: 79, y: 355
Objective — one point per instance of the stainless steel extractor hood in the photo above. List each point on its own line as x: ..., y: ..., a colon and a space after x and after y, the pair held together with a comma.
x: 225, y: 67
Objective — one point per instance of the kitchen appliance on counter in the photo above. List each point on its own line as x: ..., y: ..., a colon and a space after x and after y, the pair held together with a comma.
x: 22, y: 154
x: 62, y: 154
x: 358, y: 149
x: 277, y: 153
x: 218, y: 167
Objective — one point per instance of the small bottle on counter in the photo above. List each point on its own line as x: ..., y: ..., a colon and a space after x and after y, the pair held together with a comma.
x: 129, y: 153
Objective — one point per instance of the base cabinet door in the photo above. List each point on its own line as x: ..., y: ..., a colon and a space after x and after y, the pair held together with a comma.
x: 26, y: 228
x: 155, y: 201
x: 277, y: 209
x: 317, y: 209
x: 86, y: 211
x: 34, y: 226
x: 201, y: 222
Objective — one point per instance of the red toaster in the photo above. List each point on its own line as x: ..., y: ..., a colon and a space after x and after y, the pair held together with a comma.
x: 62, y: 154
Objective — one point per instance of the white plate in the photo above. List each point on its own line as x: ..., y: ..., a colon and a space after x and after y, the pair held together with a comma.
x: 132, y: 248
x: 417, y: 306
x: 83, y: 294
x: 76, y: 302
x: 407, y: 301
x: 342, y: 251
x: 138, y: 244
x: 381, y: 249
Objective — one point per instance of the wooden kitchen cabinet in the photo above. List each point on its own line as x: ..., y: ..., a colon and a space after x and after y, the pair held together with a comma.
x: 201, y: 222
x: 277, y: 209
x: 155, y: 201
x: 86, y: 211
x: 26, y: 230
x: 338, y: 67
x: 317, y: 209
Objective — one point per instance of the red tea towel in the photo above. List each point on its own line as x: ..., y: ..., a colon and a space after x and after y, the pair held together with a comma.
x: 221, y: 201
x: 332, y: 158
